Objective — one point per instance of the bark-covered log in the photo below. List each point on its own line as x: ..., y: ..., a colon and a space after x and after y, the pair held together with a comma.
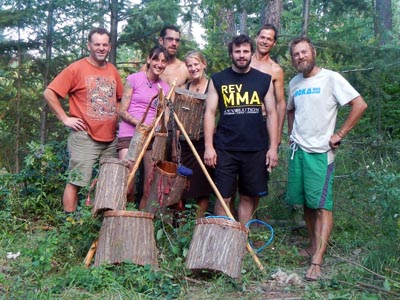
x: 127, y: 236
x: 189, y: 107
x: 218, y: 244
x: 111, y: 185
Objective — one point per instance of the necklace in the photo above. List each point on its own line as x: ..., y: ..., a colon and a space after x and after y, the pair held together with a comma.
x: 150, y: 83
x: 199, y: 87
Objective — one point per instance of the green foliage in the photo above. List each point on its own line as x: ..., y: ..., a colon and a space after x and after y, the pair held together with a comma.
x: 145, y: 21
x: 53, y: 247
x: 31, y: 192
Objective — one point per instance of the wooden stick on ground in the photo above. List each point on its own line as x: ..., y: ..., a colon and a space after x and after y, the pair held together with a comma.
x: 214, y: 187
x: 90, y: 253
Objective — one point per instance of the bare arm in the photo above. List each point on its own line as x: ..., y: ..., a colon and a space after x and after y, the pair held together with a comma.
x: 358, y: 106
x: 125, y: 102
x: 280, y: 100
x: 210, y: 155
x: 290, y: 120
x: 54, y: 103
x: 272, y: 126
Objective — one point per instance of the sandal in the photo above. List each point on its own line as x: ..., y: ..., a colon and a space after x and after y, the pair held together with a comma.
x: 313, y: 274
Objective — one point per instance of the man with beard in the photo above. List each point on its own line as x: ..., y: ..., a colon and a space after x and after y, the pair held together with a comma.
x: 239, y: 150
x: 314, y: 98
x: 266, y: 40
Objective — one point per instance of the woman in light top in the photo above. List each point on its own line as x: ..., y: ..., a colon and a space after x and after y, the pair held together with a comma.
x: 199, y: 188
x: 140, y: 88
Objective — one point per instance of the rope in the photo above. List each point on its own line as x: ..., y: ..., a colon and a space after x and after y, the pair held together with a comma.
x: 258, y: 250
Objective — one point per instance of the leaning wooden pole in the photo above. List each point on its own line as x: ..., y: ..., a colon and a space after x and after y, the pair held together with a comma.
x: 214, y: 187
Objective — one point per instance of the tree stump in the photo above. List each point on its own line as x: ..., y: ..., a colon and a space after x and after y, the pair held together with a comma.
x: 127, y: 236
x: 218, y: 244
x: 111, y: 186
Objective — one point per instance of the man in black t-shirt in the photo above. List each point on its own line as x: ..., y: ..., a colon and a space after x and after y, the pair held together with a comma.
x: 243, y: 149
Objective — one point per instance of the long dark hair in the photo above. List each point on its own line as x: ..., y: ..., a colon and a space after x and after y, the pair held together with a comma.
x: 155, y: 53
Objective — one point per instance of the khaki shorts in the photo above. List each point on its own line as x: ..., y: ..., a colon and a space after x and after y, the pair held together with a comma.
x: 310, y: 179
x: 85, y: 153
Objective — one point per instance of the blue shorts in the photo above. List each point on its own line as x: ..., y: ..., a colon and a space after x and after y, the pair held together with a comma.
x: 310, y: 179
x: 248, y: 169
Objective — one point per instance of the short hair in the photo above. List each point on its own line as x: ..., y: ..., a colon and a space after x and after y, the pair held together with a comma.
x: 156, y: 51
x: 99, y: 31
x: 239, y: 40
x: 298, y: 40
x: 196, y: 55
x: 270, y: 27
x: 163, y: 31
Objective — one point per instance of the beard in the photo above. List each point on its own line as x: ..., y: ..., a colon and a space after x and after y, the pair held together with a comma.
x: 306, y: 66
x: 241, y: 66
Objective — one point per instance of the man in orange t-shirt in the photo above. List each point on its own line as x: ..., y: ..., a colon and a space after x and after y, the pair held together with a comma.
x: 94, y: 87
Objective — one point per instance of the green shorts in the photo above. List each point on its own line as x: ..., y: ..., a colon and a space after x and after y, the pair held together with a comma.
x: 310, y: 179
x: 84, y: 153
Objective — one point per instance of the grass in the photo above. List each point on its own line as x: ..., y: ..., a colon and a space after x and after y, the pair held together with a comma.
x: 362, y: 260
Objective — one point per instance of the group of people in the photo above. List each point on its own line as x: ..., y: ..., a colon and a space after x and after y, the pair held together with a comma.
x: 244, y: 117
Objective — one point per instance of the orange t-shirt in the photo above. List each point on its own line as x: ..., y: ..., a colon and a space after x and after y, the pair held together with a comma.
x: 93, y: 95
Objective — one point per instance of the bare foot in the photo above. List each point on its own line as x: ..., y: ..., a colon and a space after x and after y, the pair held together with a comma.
x: 307, y: 253
x: 314, y: 272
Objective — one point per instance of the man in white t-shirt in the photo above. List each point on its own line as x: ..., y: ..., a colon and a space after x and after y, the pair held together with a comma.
x: 315, y: 95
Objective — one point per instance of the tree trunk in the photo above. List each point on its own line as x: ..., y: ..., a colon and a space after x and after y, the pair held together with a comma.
x: 114, y: 31
x: 272, y: 13
x: 46, y: 80
x: 383, y: 21
x: 243, y: 22
x: 306, y: 17
x: 101, y: 10
x: 18, y: 100
x: 227, y: 24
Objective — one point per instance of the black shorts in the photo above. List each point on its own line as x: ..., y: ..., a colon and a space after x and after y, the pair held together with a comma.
x: 248, y: 169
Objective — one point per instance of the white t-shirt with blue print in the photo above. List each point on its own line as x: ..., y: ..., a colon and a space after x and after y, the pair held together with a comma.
x: 316, y: 101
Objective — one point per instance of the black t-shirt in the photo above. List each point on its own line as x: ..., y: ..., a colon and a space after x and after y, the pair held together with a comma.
x: 241, y: 126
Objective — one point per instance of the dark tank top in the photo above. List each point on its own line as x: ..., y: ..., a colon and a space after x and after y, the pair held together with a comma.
x: 241, y: 125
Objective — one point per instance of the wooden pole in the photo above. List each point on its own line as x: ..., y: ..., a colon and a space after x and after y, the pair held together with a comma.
x: 143, y: 151
x: 149, y: 136
x: 214, y: 187
x: 91, y: 253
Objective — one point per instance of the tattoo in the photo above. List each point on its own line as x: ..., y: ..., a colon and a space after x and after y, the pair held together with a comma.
x: 125, y: 102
